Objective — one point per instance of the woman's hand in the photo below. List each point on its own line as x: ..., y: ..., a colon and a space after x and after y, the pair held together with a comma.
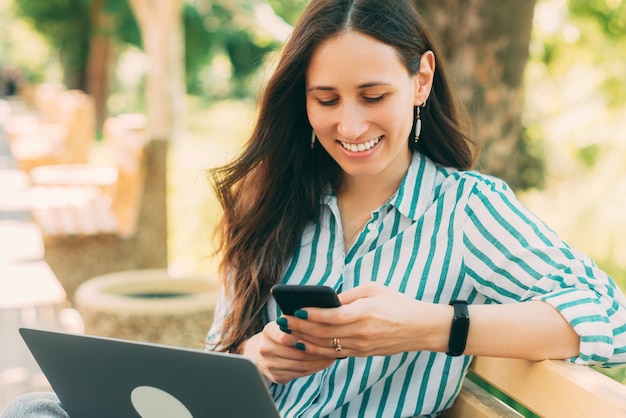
x: 373, y: 320
x: 277, y: 357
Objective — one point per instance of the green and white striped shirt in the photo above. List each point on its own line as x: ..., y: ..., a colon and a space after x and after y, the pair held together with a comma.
x: 445, y: 234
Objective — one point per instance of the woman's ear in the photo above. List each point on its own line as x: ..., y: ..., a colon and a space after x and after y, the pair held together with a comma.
x: 424, y: 78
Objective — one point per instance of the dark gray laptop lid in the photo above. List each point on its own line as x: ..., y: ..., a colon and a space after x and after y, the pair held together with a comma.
x: 104, y: 377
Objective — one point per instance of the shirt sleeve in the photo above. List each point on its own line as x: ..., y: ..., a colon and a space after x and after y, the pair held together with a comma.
x: 512, y: 256
x: 215, y: 332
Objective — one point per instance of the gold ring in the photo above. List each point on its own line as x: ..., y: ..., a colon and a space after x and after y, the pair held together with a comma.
x: 336, y: 344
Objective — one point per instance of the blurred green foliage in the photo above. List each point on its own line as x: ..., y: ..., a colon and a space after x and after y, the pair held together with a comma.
x: 589, y: 155
x: 289, y: 10
x: 609, y: 14
x: 210, y: 27
x: 65, y: 27
x: 533, y: 166
x: 199, y: 46
x: 225, y: 27
x: 603, y: 26
x: 576, y: 95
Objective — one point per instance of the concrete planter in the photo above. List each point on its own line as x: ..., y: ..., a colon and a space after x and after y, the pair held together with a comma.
x: 148, y: 305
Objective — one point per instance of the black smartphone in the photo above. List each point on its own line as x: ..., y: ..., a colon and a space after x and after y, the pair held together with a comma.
x: 290, y: 298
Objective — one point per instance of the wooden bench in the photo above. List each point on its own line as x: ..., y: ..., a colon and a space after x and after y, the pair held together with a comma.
x: 90, y: 213
x: 98, y: 197
x: 15, y: 200
x: 547, y: 388
x: 58, y: 129
x: 30, y: 295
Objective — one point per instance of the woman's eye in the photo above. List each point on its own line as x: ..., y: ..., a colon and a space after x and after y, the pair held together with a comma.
x: 329, y: 102
x: 374, y: 99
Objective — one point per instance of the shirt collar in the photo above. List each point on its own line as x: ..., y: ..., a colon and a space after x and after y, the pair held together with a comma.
x: 414, y: 193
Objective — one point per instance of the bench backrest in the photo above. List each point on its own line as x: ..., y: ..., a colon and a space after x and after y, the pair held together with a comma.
x: 125, y: 136
x: 548, y: 388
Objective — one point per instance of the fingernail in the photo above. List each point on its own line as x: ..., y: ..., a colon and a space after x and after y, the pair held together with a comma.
x: 282, y: 322
x: 300, y: 346
x: 301, y: 314
x: 285, y: 330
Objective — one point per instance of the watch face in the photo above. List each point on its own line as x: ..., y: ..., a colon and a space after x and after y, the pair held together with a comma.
x: 458, y: 335
x: 460, y: 327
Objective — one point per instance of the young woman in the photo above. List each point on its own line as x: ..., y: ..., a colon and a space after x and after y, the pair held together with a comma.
x: 357, y: 176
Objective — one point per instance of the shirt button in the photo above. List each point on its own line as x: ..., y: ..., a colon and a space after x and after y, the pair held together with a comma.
x: 371, y: 227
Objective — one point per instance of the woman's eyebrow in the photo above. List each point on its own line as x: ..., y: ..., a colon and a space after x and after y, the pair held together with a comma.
x: 360, y: 86
x: 322, y: 88
x: 373, y: 84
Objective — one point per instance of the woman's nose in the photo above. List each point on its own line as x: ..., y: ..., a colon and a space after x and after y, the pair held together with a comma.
x: 352, y: 123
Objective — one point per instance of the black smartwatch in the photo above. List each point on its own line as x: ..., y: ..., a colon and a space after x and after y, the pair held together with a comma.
x: 460, y: 327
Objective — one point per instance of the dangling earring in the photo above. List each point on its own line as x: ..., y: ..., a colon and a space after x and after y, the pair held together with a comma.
x: 312, y: 139
x: 418, y: 125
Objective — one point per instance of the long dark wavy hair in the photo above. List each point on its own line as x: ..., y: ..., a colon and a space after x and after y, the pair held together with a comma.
x: 274, y: 186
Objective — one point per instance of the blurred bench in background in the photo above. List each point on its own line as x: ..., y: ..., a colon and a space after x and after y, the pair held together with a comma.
x: 31, y: 296
x: 85, y: 195
x: 101, y: 197
x: 57, y: 127
x: 89, y: 212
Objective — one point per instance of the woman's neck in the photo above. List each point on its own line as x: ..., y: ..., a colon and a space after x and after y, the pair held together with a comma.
x: 370, y: 192
x: 358, y: 197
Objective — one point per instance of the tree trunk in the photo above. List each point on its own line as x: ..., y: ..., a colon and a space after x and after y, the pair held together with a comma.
x: 160, y: 23
x: 76, y: 258
x: 99, y: 63
x: 485, y: 43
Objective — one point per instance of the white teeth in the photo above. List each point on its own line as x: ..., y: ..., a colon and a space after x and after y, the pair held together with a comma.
x: 363, y: 146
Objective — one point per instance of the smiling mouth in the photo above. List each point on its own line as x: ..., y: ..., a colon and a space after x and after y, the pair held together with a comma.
x: 363, y: 146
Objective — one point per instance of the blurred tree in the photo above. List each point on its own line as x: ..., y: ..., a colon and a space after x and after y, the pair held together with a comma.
x: 85, y: 33
x: 230, y: 29
x: 113, y: 27
x: 199, y: 47
x: 485, y: 43
x: 289, y: 10
x: 89, y: 34
x: 163, y: 33
x: 162, y: 38
x: 161, y: 27
x: 64, y: 25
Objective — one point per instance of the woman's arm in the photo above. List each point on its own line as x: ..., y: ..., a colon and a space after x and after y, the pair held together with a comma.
x: 511, y: 257
x: 531, y: 330
x: 375, y: 320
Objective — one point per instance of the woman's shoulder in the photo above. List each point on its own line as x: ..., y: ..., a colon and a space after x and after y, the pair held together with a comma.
x: 467, y: 183
x: 428, y: 183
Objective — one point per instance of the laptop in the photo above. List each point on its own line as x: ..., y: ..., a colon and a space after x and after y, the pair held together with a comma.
x: 106, y: 377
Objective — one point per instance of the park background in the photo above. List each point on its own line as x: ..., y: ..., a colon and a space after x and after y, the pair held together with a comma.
x: 553, y: 125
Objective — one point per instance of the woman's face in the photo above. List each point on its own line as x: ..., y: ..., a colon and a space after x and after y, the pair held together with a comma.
x: 360, y: 102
